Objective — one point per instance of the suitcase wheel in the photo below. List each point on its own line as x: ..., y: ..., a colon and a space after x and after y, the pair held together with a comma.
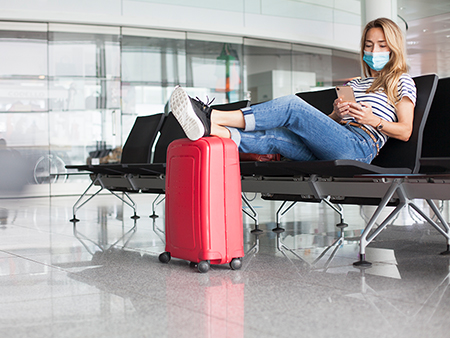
x: 236, y: 263
x: 203, y: 266
x: 164, y: 257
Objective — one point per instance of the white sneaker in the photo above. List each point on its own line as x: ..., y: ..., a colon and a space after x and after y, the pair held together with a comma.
x: 183, y: 110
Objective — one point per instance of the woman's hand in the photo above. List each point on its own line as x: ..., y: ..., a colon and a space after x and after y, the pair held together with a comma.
x: 344, y: 109
x: 362, y: 113
x: 340, y: 109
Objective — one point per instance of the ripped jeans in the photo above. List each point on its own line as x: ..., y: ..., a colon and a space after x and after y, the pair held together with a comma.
x: 293, y: 128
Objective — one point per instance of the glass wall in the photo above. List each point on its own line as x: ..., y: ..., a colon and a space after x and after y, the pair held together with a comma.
x: 24, y: 91
x: 214, y: 67
x: 84, y: 95
x: 307, y: 61
x: 84, y: 91
x: 72, y: 92
x: 153, y: 63
x: 268, y: 69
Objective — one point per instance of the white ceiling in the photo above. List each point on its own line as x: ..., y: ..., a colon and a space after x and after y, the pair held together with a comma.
x: 412, y: 10
x: 428, y: 35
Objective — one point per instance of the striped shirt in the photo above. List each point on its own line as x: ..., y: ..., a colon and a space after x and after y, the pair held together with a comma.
x: 379, y: 102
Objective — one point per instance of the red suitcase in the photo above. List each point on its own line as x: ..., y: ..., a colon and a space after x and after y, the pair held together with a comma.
x: 203, y: 203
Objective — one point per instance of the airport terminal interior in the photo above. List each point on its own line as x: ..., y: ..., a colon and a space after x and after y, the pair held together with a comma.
x: 73, y: 82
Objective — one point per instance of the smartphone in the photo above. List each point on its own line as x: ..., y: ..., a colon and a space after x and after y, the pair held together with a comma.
x: 346, y: 93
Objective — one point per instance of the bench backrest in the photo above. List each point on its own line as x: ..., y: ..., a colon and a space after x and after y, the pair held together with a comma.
x: 399, y: 154
x: 436, y: 136
x: 321, y: 99
x: 138, y: 146
x: 170, y: 131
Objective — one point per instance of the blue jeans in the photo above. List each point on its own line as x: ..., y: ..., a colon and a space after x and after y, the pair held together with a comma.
x: 293, y: 128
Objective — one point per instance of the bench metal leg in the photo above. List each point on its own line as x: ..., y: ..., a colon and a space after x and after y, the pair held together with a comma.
x: 340, y: 211
x: 284, y: 210
x: 76, y: 206
x: 98, y: 179
x: 254, y: 216
x: 128, y: 202
x: 396, y: 187
x: 336, y: 244
x: 365, y: 238
x: 157, y: 201
x: 280, y: 213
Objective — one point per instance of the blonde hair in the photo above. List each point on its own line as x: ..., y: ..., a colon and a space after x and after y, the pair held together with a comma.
x: 396, y: 66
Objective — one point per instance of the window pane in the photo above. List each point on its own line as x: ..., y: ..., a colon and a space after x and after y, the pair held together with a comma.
x: 151, y: 68
x: 216, y: 67
x: 141, y: 99
x: 268, y: 72
x: 24, y: 129
x: 158, y: 61
x: 23, y: 54
x: 73, y: 135
x: 345, y: 67
x: 82, y: 54
x: 84, y: 102
x: 23, y: 95
x: 84, y: 93
x: 311, y: 70
x: 27, y: 135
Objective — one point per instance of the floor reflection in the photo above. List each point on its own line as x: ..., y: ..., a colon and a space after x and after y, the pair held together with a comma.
x: 102, y: 244
x: 125, y: 273
x: 102, y: 276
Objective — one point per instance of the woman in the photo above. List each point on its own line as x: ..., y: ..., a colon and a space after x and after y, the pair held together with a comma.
x: 290, y: 126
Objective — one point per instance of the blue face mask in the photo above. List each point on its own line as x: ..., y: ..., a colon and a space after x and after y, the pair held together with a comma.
x: 376, y: 61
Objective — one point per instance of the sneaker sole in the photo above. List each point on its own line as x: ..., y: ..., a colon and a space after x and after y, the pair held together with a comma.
x: 181, y: 106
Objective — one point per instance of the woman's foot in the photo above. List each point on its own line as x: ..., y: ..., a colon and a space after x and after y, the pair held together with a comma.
x: 192, y: 114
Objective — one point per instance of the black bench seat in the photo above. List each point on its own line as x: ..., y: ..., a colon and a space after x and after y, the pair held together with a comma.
x: 336, y: 168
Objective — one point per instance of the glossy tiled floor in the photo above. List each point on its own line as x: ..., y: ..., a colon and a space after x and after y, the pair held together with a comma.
x: 103, y: 278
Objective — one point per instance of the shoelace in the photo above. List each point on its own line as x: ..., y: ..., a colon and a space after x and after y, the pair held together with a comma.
x: 208, y: 102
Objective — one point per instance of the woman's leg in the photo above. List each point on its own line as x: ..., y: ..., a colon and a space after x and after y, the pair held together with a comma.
x: 308, y: 129
x: 289, y: 111
x: 273, y: 141
x: 222, y: 119
x: 233, y: 118
x: 353, y: 144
